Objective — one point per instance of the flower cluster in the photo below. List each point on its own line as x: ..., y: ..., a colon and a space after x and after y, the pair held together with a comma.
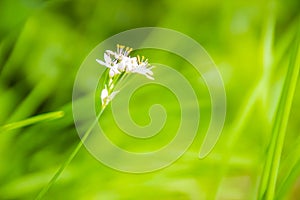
x: 120, y: 61
x: 119, y: 64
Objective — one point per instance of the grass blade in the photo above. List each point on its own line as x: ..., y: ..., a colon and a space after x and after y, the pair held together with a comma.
x: 32, y: 120
x: 266, y: 56
x: 269, y: 177
x: 292, y: 173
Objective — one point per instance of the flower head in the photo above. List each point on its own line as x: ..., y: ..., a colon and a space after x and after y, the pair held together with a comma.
x: 120, y: 64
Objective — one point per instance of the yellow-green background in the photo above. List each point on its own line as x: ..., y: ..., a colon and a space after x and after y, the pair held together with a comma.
x: 43, y: 43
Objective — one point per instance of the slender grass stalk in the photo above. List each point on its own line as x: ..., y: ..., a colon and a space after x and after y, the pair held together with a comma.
x: 255, y: 94
x: 32, y: 120
x: 270, y: 172
x: 292, y: 175
x: 69, y: 159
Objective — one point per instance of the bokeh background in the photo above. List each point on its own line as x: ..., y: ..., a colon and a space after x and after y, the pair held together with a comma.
x: 42, y: 45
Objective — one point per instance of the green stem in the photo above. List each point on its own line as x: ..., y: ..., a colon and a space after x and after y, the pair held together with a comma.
x: 70, y: 158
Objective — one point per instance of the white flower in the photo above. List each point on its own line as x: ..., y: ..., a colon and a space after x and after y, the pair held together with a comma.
x: 120, y: 63
x: 106, y: 97
x: 129, y: 63
x: 109, y: 63
x: 107, y: 60
x: 144, y: 70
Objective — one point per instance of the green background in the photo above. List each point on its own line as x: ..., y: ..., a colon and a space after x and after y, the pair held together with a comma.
x: 43, y: 44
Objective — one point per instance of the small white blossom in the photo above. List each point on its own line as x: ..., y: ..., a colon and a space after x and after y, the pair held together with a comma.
x: 109, y: 63
x: 120, y: 63
x: 106, y: 97
x: 143, y: 68
x: 104, y: 94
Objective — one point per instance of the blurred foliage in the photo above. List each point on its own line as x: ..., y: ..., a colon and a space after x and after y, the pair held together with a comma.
x: 43, y: 43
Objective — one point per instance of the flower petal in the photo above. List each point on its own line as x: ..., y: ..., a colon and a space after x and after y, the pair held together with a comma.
x: 101, y: 62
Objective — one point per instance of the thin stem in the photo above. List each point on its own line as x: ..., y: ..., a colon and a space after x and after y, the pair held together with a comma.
x: 70, y: 158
